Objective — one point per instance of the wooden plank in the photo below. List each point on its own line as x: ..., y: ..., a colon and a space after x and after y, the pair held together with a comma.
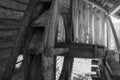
x: 81, y: 25
x: 8, y: 27
x: 96, y: 5
x: 91, y: 27
x: 10, y: 14
x: 96, y: 28
x: 103, y: 17
x: 12, y: 5
x: 8, y: 33
x: 114, y: 9
x: 75, y: 19
x: 9, y: 22
x: 86, y: 17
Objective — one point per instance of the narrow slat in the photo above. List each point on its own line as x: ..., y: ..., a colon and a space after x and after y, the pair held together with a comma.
x: 85, y: 22
x: 102, y: 28
x: 91, y: 24
x: 96, y: 26
x: 81, y: 27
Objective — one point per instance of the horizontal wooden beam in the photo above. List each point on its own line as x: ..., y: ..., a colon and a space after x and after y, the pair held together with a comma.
x: 80, y: 53
x: 75, y: 45
x: 12, y: 5
x: 96, y: 5
x: 114, y: 9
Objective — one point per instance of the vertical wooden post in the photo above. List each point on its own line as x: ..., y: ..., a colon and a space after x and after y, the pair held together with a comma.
x: 49, y: 39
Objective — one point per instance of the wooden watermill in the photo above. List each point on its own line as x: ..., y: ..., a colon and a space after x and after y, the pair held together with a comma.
x: 41, y: 30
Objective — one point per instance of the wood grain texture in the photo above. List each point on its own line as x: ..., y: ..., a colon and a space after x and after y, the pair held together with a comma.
x: 12, y: 5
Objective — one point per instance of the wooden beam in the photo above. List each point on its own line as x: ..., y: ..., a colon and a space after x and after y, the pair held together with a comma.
x: 12, y: 5
x: 96, y: 5
x: 114, y: 9
x: 114, y: 33
x: 74, y: 45
x: 80, y: 53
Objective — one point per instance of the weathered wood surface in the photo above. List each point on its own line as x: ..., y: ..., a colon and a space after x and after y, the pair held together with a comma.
x: 49, y: 38
x: 8, y: 33
x: 90, y: 24
x: 10, y: 14
x: 20, y: 43
x: 12, y: 5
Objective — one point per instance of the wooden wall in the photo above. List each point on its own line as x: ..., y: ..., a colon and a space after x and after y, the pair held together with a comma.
x: 88, y: 24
